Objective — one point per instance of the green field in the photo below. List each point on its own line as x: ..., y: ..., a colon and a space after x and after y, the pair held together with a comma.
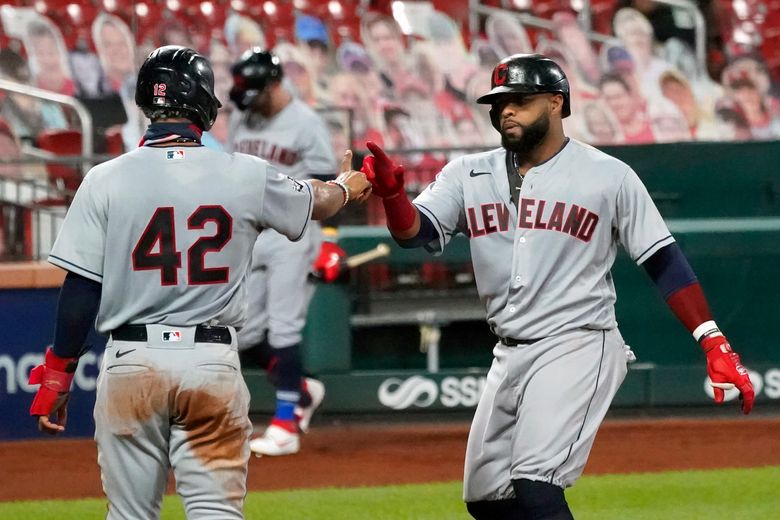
x: 745, y: 494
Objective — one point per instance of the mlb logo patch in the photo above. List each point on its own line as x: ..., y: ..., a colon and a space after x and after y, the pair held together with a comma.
x: 175, y: 154
x: 170, y: 336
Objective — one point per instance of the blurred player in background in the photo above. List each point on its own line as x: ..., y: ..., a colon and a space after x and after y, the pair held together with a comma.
x: 271, y: 123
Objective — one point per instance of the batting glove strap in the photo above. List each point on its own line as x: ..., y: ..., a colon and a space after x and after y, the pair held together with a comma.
x: 708, y: 328
x: 55, y: 376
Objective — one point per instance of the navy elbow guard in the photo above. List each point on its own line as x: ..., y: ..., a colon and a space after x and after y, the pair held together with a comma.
x: 425, y: 235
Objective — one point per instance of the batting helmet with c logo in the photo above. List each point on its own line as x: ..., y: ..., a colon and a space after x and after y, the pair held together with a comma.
x: 526, y: 74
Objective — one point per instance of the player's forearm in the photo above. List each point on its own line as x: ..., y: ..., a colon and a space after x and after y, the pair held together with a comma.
x: 425, y: 235
x: 77, y: 308
x: 403, y: 218
x: 328, y: 199
x: 677, y: 282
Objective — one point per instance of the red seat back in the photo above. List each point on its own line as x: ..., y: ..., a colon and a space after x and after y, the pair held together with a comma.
x: 64, y: 143
x: 114, y: 143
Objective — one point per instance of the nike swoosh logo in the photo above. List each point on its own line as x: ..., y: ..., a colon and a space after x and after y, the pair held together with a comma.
x: 472, y: 173
x: 126, y: 352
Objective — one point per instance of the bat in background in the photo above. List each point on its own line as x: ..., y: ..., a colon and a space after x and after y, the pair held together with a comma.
x: 332, y: 272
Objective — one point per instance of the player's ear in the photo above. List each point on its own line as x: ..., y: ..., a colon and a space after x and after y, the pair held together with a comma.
x: 556, y: 103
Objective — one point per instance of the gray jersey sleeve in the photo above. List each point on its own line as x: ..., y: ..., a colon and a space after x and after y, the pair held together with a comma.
x: 287, y: 206
x: 442, y: 203
x: 641, y: 228
x: 80, y: 245
x: 318, y: 158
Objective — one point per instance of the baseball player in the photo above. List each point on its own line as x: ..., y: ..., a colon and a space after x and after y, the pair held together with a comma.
x: 544, y: 215
x: 157, y: 245
x: 274, y: 125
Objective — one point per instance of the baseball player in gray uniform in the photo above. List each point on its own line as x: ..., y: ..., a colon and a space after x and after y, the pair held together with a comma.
x: 274, y: 125
x: 544, y: 215
x: 157, y: 244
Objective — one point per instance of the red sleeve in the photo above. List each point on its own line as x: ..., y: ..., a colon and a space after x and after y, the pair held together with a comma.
x: 690, y: 306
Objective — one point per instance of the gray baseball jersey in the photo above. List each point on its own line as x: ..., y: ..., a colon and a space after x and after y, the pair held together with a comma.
x: 297, y: 142
x: 168, y: 232
x: 542, y: 263
x: 543, y: 267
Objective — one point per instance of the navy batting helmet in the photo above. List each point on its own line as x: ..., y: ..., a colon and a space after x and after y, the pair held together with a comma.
x: 252, y: 73
x: 526, y: 74
x: 177, y: 81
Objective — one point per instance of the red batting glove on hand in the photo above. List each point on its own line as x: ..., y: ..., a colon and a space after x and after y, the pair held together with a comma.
x: 328, y: 262
x: 386, y: 176
x: 55, y: 377
x: 726, y: 371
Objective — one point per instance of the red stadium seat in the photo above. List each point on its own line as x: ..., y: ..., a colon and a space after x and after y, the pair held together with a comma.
x: 148, y: 18
x: 601, y: 14
x: 458, y: 11
x: 763, y: 16
x: 317, y: 9
x: 63, y: 143
x: 114, y: 143
x: 254, y: 10
x: 546, y: 8
x: 278, y: 21
x: 211, y: 22
x: 345, y: 30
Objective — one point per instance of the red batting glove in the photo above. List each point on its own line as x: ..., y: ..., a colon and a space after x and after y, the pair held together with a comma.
x: 386, y: 176
x: 726, y: 371
x: 328, y: 262
x: 55, y: 376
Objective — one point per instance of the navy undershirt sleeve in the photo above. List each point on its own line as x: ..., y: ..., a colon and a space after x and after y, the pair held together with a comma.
x: 669, y: 269
x: 76, y: 311
x: 425, y: 235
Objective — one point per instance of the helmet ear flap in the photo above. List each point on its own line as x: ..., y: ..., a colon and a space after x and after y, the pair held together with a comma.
x: 186, y: 87
x: 495, y: 117
x: 237, y: 97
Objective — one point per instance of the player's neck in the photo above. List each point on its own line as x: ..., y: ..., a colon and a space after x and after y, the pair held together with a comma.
x: 546, y: 149
x: 172, y: 132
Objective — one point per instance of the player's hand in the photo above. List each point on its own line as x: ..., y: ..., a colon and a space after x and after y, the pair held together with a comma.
x: 726, y: 371
x: 328, y: 264
x: 386, y: 176
x: 358, y: 185
x: 55, y: 376
x: 60, y: 408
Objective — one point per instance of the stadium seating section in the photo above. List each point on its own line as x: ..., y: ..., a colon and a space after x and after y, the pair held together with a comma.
x: 421, y: 97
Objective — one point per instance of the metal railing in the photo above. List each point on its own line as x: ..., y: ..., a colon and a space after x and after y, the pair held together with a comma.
x: 700, y: 28
x: 85, y: 119
x: 477, y: 9
x: 31, y: 213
